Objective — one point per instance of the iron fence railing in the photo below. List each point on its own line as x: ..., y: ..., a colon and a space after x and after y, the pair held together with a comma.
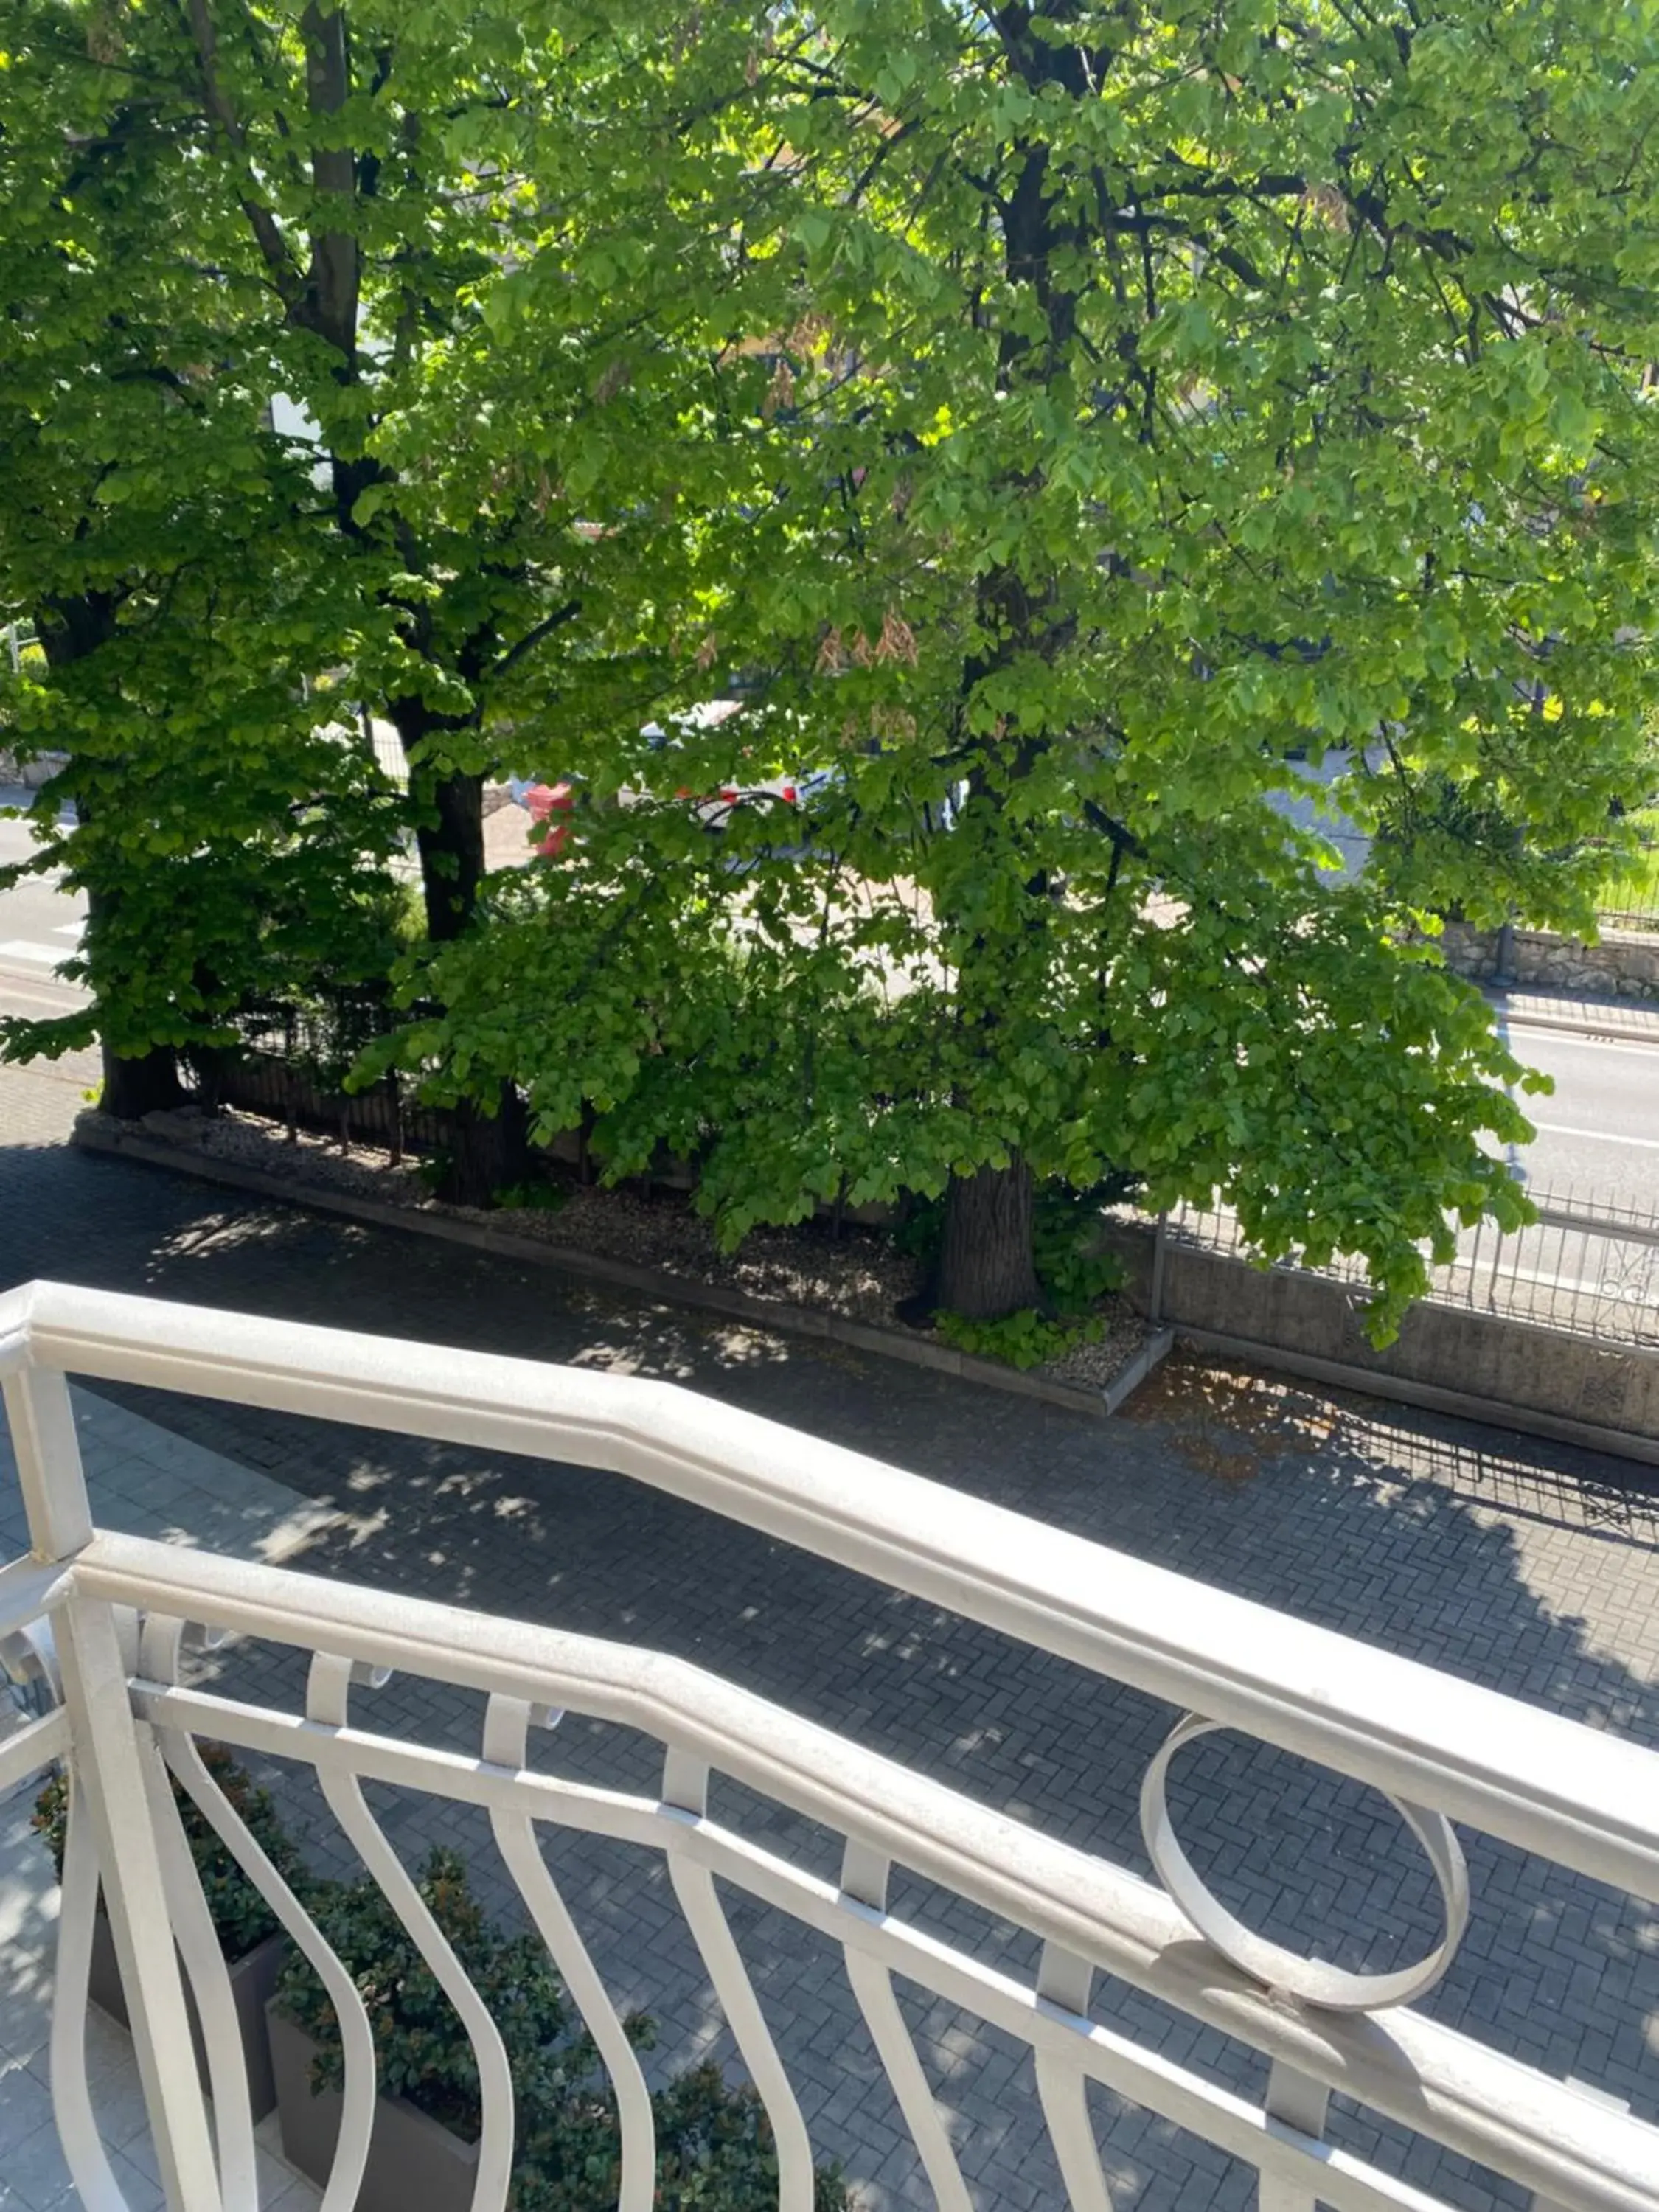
x: 292, y: 1064
x: 1587, y: 1266
x: 1630, y: 915
x: 1630, y: 900
x: 101, y: 1619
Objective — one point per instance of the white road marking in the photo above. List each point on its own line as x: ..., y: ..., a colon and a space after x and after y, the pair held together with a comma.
x: 64, y: 998
x: 1558, y: 1129
x: 22, y: 948
x: 1599, y: 1042
x: 67, y: 928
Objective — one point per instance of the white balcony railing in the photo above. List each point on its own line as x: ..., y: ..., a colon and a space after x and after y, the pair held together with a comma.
x: 116, y: 1606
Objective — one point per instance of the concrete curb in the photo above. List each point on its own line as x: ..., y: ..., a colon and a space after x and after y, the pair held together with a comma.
x: 1595, y: 1032
x: 1622, y: 1443
x: 1134, y: 1371
x: 649, y: 1282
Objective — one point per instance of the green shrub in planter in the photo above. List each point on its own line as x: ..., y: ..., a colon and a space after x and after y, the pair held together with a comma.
x: 715, y: 2148
x: 241, y: 1918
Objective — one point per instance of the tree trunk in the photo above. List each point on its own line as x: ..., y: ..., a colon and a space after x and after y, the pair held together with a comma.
x: 986, y: 1267
x: 72, y: 630
x: 449, y: 822
x: 486, y: 1151
x: 489, y: 1146
x: 451, y: 855
x: 146, y: 1084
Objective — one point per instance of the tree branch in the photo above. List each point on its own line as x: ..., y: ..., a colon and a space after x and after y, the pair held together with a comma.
x: 533, y: 638
x: 267, y: 232
x: 330, y: 306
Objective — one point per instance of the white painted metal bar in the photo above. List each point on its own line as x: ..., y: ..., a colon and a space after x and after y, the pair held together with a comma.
x: 209, y: 1984
x: 863, y: 1878
x: 356, y: 2037
x: 71, y: 2089
x: 327, y: 1700
x: 686, y: 1783
x: 1064, y: 1981
x: 29, y: 1591
x: 1303, y: 2104
x: 110, y: 1777
x: 44, y: 1442
x: 32, y: 1747
x: 507, y: 1722
x: 1489, y: 2107
x: 1544, y: 1782
x: 112, y: 1784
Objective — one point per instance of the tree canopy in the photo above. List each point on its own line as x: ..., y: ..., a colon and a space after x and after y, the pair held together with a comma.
x: 1064, y: 431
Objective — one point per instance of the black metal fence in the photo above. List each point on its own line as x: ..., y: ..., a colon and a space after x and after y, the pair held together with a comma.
x: 291, y: 1064
x: 1636, y: 913
x: 1587, y: 1266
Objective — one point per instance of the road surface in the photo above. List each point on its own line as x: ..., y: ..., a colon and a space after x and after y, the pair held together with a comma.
x: 1598, y: 1135
x: 40, y: 926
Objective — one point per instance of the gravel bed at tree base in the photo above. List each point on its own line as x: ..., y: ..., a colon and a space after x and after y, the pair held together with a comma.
x: 857, y: 1273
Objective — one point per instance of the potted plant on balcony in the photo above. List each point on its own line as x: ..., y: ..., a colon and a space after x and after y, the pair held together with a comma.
x: 714, y: 2151
x: 249, y: 1936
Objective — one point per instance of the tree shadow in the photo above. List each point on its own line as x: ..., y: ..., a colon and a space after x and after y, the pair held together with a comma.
x: 1522, y: 1565
x: 1374, y: 1528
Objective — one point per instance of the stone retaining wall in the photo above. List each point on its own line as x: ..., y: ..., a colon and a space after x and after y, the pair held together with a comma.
x: 30, y: 773
x: 1623, y: 965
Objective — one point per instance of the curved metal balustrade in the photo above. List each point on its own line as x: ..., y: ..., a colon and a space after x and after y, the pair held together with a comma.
x: 103, y: 1621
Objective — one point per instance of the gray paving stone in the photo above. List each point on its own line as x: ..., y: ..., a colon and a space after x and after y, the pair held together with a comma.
x: 1528, y: 1567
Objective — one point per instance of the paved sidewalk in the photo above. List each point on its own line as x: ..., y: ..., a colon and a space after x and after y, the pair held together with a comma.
x: 145, y: 1482
x: 1528, y: 1567
x: 1579, y: 1010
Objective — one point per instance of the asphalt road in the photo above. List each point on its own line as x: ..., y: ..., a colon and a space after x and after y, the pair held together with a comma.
x: 1598, y: 1135
x: 41, y: 925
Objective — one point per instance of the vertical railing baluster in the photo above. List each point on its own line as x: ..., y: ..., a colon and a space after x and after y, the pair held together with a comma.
x: 507, y: 1722
x: 159, y: 1652
x: 686, y: 1786
x: 864, y: 1877
x: 1300, y: 2103
x: 356, y: 2037
x: 106, y: 1761
x: 1065, y: 1981
x: 1160, y: 1253
x: 209, y: 1984
x: 1469, y: 1298
x: 327, y: 1693
x: 71, y: 2089
x: 1595, y: 1273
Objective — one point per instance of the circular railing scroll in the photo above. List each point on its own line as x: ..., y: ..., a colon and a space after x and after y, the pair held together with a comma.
x: 1312, y: 1980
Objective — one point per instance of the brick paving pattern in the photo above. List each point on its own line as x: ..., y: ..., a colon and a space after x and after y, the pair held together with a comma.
x: 1524, y: 1565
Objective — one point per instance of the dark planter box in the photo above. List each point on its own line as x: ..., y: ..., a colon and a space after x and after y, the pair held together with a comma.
x: 412, y: 2161
x: 252, y: 1980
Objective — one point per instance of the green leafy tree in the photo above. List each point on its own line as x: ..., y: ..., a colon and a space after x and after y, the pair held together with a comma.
x: 484, y: 236
x: 1171, y: 399
x: 432, y: 286
x: 226, y: 826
